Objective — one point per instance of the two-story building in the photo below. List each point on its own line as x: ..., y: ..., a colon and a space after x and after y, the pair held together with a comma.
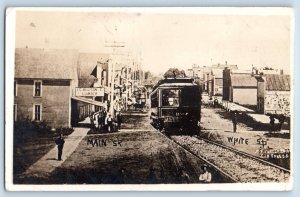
x: 43, y: 85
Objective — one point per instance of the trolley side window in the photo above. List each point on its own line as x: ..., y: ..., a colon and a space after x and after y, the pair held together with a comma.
x: 170, y: 98
x: 154, y: 100
x: 190, y: 97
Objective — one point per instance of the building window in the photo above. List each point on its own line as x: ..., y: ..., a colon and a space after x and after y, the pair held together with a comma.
x: 37, y: 88
x: 15, y: 88
x: 37, y: 113
x: 15, y: 112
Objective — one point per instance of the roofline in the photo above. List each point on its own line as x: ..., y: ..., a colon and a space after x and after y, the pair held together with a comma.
x: 245, y: 87
x: 164, y: 81
x: 32, y: 78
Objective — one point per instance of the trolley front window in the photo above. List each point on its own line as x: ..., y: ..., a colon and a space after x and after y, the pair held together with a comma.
x: 170, y: 98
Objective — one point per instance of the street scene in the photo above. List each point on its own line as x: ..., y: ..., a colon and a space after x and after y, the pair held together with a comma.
x: 133, y: 97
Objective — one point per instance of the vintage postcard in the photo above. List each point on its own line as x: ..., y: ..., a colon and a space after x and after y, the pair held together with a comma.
x: 149, y: 99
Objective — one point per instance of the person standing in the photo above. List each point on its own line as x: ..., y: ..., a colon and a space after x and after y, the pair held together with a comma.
x: 60, y: 145
x: 205, y: 176
x: 119, y: 120
x: 272, y: 122
x: 92, y: 121
x: 234, y: 120
x: 151, y: 177
x: 281, y: 122
x: 109, y: 123
x: 182, y: 176
x: 215, y: 102
x: 100, y: 119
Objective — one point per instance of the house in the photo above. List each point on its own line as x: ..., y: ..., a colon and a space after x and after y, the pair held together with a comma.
x: 239, y: 87
x: 213, y: 78
x: 273, y: 94
x: 217, y: 82
x: 44, y: 84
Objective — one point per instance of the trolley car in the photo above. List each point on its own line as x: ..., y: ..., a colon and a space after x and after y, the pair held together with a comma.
x: 176, y: 106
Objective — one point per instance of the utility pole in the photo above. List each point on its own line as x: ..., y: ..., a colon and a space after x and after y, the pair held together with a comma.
x: 113, y: 45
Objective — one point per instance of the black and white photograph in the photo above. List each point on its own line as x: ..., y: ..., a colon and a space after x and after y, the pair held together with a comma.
x: 139, y: 99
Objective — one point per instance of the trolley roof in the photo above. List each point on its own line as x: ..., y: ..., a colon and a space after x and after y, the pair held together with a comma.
x: 175, y: 82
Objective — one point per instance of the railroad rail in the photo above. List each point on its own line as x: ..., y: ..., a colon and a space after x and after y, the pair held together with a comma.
x: 234, y: 164
x: 226, y: 176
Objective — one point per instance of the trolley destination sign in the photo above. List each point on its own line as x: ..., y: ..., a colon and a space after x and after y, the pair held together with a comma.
x: 89, y: 91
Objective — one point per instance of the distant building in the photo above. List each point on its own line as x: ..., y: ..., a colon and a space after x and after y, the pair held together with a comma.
x: 93, y: 71
x: 93, y: 68
x: 44, y: 85
x: 267, y: 71
x: 213, y: 78
x: 273, y: 94
x: 217, y: 82
x: 239, y: 87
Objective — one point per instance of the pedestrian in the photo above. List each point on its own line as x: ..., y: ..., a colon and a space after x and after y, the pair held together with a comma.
x: 122, y: 177
x: 215, y: 102
x: 182, y: 176
x: 234, y: 120
x: 109, y: 121
x: 60, y: 145
x: 119, y: 120
x: 104, y: 116
x: 281, y: 122
x: 100, y: 120
x: 92, y: 121
x: 205, y: 176
x: 272, y: 122
x: 151, y: 177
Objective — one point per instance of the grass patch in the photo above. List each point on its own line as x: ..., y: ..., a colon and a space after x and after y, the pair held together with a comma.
x: 31, y: 142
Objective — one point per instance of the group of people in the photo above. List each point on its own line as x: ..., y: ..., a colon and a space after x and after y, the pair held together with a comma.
x: 281, y: 122
x: 180, y: 177
x: 106, y: 121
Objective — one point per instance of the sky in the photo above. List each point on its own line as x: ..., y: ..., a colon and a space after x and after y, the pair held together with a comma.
x: 163, y: 40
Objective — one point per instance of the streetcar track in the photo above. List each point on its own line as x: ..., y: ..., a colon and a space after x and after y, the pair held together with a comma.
x: 257, y: 173
x: 231, y: 179
x: 245, y: 154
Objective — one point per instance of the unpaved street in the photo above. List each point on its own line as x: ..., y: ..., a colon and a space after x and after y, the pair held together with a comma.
x: 135, y: 154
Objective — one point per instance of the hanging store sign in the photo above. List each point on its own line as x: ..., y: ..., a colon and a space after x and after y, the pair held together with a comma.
x: 89, y: 92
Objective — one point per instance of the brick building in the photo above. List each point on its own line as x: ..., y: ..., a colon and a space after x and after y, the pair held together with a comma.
x: 273, y: 94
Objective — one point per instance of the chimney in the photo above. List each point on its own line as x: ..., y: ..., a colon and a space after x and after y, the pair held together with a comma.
x: 281, y: 71
x: 225, y: 62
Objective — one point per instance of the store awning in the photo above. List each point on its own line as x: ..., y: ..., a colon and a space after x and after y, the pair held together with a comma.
x: 89, y: 101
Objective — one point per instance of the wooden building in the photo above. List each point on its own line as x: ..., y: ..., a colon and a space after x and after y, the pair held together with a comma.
x: 239, y: 87
x: 44, y: 84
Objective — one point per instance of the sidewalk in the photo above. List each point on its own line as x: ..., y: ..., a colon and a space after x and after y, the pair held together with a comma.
x: 44, y: 166
x: 262, y: 118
